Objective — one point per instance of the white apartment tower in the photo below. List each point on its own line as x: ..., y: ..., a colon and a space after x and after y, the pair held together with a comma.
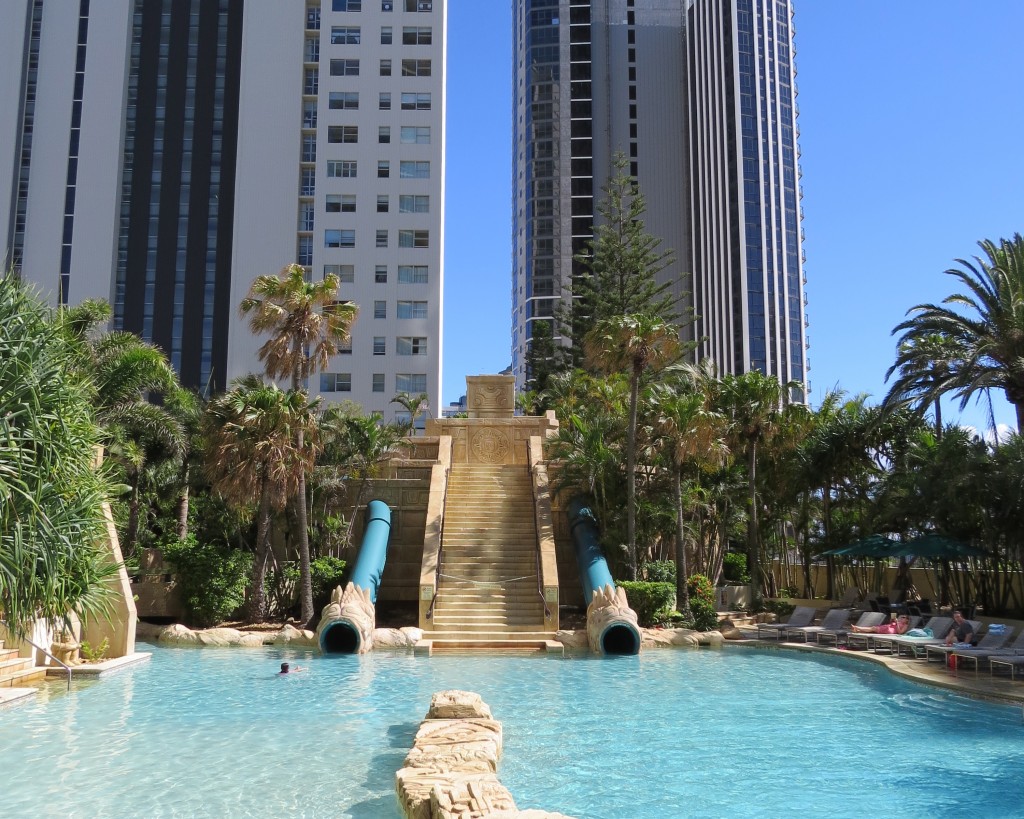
x: 700, y: 96
x: 166, y: 152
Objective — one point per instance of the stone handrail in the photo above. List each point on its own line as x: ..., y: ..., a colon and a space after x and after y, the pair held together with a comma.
x: 547, y: 563
x: 434, y: 529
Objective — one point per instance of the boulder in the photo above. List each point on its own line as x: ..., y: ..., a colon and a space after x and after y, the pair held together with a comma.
x: 179, y: 634
x: 572, y: 639
x: 454, y: 704
x: 220, y: 637
x: 727, y: 628
x: 390, y: 638
x: 289, y: 635
x: 148, y: 631
x: 468, y: 799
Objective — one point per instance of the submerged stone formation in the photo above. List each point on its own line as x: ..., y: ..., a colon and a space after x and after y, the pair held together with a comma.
x: 451, y: 771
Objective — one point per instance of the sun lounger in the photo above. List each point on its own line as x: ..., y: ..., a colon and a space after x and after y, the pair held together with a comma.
x: 801, y: 616
x: 940, y: 653
x: 979, y: 656
x: 1012, y: 662
x: 833, y: 636
x: 896, y: 643
x: 857, y: 640
x: 833, y: 620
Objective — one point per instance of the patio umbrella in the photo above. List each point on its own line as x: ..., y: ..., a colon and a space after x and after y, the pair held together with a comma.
x: 939, y: 547
x: 876, y: 546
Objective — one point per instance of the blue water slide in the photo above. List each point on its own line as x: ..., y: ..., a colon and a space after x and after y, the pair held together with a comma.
x: 618, y: 637
x: 342, y: 636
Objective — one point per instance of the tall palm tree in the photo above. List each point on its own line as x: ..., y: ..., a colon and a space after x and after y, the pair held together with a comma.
x: 307, y: 324
x: 254, y: 458
x: 634, y: 344
x: 753, y: 404
x: 691, y: 435
x: 926, y: 365
x: 984, y: 325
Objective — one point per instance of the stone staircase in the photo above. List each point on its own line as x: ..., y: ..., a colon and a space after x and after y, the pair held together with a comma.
x: 17, y: 672
x: 487, y: 594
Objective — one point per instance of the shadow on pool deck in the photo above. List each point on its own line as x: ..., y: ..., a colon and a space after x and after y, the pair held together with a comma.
x: 968, y: 683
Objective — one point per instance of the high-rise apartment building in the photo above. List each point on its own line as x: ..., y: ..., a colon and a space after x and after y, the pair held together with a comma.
x: 163, y: 153
x: 699, y: 95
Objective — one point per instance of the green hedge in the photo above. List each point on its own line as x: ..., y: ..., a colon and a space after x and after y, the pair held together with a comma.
x: 734, y: 567
x: 649, y: 600
x: 212, y: 579
x: 661, y: 571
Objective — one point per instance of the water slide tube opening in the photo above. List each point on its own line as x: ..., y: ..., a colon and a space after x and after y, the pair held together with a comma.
x: 339, y: 638
x: 620, y: 638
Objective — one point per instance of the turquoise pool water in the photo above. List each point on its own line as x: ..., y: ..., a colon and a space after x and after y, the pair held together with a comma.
x: 211, y: 732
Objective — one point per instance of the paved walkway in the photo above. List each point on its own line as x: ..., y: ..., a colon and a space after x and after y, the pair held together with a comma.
x: 968, y: 683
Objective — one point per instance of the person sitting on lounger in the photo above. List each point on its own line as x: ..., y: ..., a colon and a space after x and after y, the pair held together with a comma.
x: 901, y: 626
x: 962, y: 631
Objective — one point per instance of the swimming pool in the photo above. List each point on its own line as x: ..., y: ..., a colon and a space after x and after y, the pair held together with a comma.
x: 736, y: 732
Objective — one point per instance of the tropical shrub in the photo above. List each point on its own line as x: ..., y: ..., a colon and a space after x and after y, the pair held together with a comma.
x: 734, y: 567
x: 650, y: 601
x: 212, y: 579
x: 661, y: 571
x: 702, y: 603
x: 327, y: 574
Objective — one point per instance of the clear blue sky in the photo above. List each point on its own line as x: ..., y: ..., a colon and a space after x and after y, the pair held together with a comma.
x: 912, y: 132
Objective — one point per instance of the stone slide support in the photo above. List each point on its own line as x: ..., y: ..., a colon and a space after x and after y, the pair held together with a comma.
x: 347, y: 622
x: 611, y: 624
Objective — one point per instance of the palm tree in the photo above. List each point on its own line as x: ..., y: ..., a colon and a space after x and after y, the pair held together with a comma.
x: 51, y: 494
x: 254, y: 458
x: 925, y: 364
x: 752, y: 402
x: 633, y: 344
x: 986, y: 334
x: 307, y: 324
x: 691, y: 435
x: 415, y: 405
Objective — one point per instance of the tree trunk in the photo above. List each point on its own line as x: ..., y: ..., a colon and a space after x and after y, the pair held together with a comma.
x: 634, y: 390
x: 682, y: 573
x: 1020, y: 418
x: 301, y: 520
x: 257, y: 591
x: 131, y: 532
x: 938, y: 419
x: 753, y: 552
x: 183, y: 499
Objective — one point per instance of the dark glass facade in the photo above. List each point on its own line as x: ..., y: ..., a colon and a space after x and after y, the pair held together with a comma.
x: 177, y: 197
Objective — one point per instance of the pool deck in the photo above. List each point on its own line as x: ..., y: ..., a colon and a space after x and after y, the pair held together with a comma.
x: 980, y: 685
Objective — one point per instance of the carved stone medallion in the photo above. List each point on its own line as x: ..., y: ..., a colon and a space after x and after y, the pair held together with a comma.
x: 490, y: 446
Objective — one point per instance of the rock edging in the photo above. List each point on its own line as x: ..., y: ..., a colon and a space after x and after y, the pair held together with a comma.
x: 288, y: 635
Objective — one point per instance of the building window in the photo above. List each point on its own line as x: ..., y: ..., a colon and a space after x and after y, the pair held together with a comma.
x: 335, y: 382
x: 378, y: 382
x: 416, y: 101
x: 413, y: 274
x: 311, y: 82
x: 378, y: 345
x: 382, y: 238
x: 306, y: 216
x: 411, y: 345
x: 305, y: 251
x: 341, y: 168
x: 341, y: 203
x: 414, y: 238
x: 309, y: 147
x: 383, y: 168
x: 311, y: 53
x: 339, y: 238
x: 415, y: 68
x: 384, y: 134
x: 383, y: 204
x: 346, y: 273
x: 412, y: 309
x: 385, y: 68
x: 307, y: 183
x: 417, y: 35
x: 345, y: 35
x: 419, y: 5
x: 414, y: 170
x: 348, y: 67
x: 347, y: 5
x: 384, y: 101
x: 387, y: 5
x: 380, y: 274
x: 380, y: 309
x: 413, y: 383
x: 343, y: 133
x: 313, y: 18
x: 344, y: 347
x: 415, y: 135
x: 347, y: 100
x: 408, y: 203
x: 309, y: 114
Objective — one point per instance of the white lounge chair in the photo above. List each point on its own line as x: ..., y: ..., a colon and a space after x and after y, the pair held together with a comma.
x: 801, y: 616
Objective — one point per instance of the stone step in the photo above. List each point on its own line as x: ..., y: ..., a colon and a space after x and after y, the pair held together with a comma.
x: 497, y: 634
x: 24, y: 677
x: 13, y: 663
